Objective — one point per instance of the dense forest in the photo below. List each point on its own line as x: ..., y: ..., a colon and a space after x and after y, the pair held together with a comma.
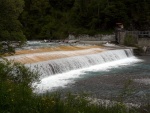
x: 55, y: 19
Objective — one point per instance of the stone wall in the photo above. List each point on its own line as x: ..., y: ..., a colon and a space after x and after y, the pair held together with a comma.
x: 121, y: 37
x: 144, y: 41
x: 92, y: 38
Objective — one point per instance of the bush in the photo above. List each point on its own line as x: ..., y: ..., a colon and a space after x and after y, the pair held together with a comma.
x: 5, y: 47
x: 15, y: 87
x: 129, y: 40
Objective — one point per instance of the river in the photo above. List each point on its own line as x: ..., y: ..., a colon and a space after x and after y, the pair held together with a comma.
x: 131, y: 83
x: 121, y: 76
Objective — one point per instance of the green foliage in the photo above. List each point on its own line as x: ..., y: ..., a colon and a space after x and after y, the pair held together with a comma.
x: 15, y: 87
x: 129, y: 40
x: 144, y: 109
x: 10, y: 26
x: 6, y: 49
x: 55, y: 19
x: 127, y: 90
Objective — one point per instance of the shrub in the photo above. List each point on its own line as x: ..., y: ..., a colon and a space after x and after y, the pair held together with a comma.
x: 129, y: 40
x: 15, y: 87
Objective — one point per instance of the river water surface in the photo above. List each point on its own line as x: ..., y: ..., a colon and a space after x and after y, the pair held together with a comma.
x: 129, y: 81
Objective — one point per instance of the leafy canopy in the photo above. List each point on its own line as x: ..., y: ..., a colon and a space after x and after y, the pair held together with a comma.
x: 10, y: 26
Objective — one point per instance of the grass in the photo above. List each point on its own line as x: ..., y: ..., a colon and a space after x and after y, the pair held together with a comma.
x: 55, y: 104
x: 16, y: 96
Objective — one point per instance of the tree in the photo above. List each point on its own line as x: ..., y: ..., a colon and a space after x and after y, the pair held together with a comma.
x: 56, y: 18
x: 34, y: 17
x: 10, y: 26
x: 138, y: 20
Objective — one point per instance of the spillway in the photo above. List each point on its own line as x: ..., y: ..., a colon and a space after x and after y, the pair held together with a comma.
x: 62, y: 65
x: 60, y: 68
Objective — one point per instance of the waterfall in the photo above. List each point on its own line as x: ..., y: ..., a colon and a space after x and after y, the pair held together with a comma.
x: 56, y: 66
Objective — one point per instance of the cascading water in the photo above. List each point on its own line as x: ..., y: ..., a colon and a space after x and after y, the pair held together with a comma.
x: 57, y: 66
x: 60, y: 68
x: 67, y: 70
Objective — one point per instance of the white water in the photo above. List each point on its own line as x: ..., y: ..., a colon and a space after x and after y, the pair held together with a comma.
x: 62, y: 80
x: 61, y: 72
x: 62, y: 65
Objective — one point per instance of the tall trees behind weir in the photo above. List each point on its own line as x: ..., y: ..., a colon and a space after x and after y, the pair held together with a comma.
x: 55, y: 19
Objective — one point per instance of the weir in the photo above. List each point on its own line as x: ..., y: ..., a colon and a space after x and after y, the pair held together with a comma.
x: 57, y: 66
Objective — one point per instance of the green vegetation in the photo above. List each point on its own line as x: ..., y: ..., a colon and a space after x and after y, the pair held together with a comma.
x: 55, y: 19
x: 10, y: 26
x: 6, y: 48
x: 15, y: 87
x: 127, y: 91
x: 130, y: 40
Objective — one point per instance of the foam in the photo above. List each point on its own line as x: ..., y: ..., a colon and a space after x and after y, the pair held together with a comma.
x: 62, y: 80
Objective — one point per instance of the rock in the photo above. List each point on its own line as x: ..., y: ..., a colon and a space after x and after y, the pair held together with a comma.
x: 72, y: 41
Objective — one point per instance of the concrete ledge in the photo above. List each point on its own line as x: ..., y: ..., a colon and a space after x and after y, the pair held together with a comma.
x: 94, y: 42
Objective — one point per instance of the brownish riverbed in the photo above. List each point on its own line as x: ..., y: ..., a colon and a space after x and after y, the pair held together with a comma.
x: 44, y: 54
